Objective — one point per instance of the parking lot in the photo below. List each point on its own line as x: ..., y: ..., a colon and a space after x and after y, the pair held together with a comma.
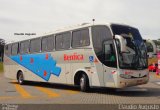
x: 44, y: 93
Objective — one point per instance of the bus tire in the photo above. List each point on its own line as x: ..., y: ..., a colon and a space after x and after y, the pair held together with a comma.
x: 20, y: 78
x: 84, y: 83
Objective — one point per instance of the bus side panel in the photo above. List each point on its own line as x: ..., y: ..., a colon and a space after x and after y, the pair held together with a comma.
x: 69, y: 73
x: 76, y: 67
x: 70, y: 62
x: 69, y: 67
x: 9, y: 68
x: 29, y: 75
x: 61, y: 78
x: 88, y: 66
x: 97, y: 77
x: 82, y: 65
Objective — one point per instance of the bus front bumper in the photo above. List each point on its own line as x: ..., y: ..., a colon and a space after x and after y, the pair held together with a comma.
x: 132, y: 82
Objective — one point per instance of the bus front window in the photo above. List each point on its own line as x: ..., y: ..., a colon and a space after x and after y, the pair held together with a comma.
x: 109, y: 54
x: 135, y: 56
x: 103, y: 45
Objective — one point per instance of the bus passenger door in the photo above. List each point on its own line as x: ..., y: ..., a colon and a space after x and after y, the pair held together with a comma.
x: 109, y: 64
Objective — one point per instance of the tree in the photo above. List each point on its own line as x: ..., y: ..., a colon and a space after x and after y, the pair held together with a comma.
x: 2, y: 43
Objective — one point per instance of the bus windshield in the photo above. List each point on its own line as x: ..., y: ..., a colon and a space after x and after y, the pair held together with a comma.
x: 136, y: 55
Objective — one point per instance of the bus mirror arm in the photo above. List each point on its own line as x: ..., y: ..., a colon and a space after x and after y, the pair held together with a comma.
x: 144, y: 41
x: 122, y: 43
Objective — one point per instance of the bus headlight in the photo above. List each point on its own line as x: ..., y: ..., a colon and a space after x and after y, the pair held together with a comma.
x: 126, y: 76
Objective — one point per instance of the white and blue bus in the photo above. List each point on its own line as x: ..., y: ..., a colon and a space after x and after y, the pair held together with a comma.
x: 88, y: 55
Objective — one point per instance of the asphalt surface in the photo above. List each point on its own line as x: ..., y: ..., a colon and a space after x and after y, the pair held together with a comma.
x: 44, y: 93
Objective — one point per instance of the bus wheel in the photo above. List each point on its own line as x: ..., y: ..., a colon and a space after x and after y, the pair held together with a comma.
x: 20, y: 78
x: 84, y: 83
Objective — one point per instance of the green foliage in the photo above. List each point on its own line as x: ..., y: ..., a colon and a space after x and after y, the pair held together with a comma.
x: 156, y: 42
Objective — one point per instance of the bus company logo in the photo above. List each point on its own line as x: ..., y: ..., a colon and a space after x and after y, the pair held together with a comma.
x: 73, y: 57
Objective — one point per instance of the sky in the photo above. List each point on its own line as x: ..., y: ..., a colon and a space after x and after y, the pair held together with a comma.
x: 43, y: 16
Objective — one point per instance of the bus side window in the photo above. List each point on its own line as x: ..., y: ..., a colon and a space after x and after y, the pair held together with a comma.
x: 24, y: 47
x: 80, y: 38
x: 15, y: 49
x: 8, y: 50
x: 44, y: 44
x: 48, y: 43
x: 109, y: 55
x: 63, y: 41
x: 35, y: 45
x: 100, y: 34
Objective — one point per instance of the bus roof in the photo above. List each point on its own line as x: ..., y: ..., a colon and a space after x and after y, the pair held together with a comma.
x: 79, y: 26
x: 70, y: 28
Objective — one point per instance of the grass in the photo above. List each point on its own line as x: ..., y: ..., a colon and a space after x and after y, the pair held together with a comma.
x: 1, y: 67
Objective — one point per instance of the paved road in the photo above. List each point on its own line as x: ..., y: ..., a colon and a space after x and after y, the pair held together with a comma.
x: 44, y: 93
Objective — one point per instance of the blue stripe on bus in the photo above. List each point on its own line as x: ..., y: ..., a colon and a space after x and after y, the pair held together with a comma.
x: 42, y: 65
